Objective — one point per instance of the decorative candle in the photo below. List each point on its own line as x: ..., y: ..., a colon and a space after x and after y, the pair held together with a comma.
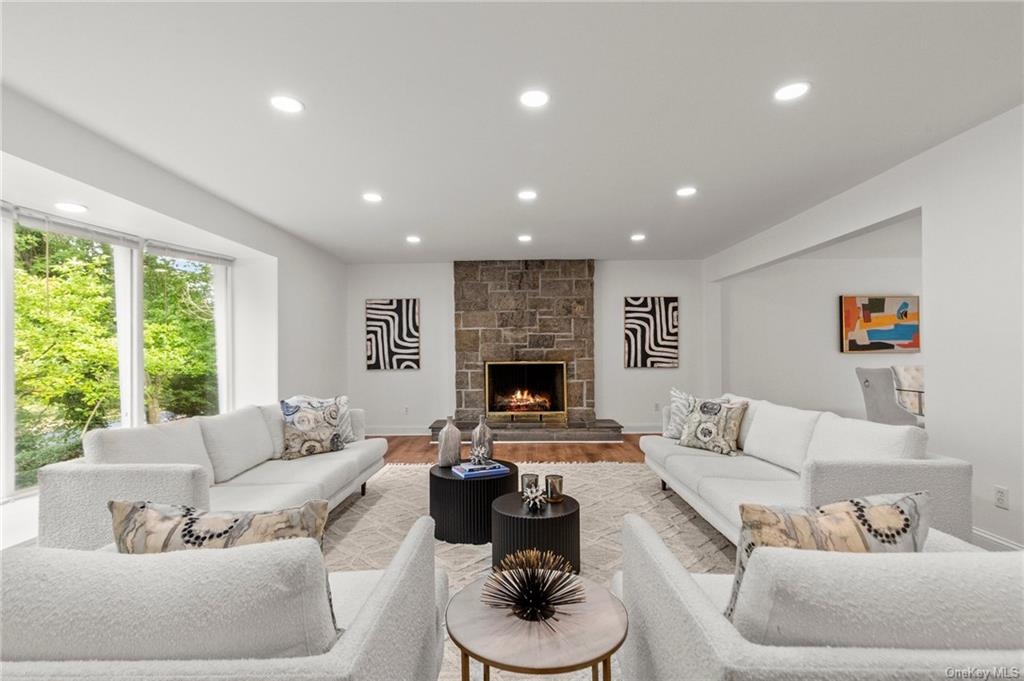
x: 553, y: 487
x: 530, y: 480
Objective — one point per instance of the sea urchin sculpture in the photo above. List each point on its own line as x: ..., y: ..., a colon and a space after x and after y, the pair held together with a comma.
x: 534, y: 498
x: 533, y: 585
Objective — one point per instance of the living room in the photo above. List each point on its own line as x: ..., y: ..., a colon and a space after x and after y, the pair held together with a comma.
x: 439, y: 286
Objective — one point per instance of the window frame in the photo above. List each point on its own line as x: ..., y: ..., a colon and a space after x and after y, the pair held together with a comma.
x: 128, y: 262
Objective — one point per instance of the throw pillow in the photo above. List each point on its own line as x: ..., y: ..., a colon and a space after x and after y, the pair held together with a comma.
x: 314, y: 426
x: 714, y: 425
x: 145, y: 527
x: 886, y: 523
x: 680, y: 405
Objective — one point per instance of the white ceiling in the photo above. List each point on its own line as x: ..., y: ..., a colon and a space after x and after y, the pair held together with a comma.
x: 419, y: 102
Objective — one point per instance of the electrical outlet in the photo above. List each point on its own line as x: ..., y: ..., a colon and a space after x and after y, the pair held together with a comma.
x: 657, y: 407
x: 1002, y: 498
x: 405, y: 410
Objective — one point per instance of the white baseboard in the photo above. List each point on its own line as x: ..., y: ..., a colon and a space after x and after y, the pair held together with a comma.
x: 384, y: 431
x: 993, y: 542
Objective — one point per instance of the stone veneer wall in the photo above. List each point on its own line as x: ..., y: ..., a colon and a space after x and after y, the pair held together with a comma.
x: 524, y: 310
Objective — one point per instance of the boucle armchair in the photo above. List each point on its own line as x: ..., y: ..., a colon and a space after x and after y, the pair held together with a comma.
x: 811, y: 615
x: 213, y: 615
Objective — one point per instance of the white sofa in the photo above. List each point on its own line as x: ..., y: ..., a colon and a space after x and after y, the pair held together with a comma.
x: 798, y: 457
x: 815, y: 615
x: 228, y: 462
x: 191, y: 616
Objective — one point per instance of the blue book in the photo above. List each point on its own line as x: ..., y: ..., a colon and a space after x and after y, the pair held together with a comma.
x: 467, y: 471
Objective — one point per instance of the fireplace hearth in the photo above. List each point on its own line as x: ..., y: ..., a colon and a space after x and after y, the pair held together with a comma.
x: 530, y: 390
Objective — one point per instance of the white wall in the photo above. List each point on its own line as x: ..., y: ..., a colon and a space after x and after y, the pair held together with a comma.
x: 303, y: 310
x: 969, y: 191
x: 780, y: 330
x: 630, y: 395
x: 404, y: 402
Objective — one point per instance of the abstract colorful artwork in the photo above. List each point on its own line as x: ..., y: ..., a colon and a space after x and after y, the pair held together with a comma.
x: 879, y: 324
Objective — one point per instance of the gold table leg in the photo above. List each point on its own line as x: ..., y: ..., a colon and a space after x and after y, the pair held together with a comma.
x: 465, y: 666
x: 606, y: 667
x: 593, y: 673
x: 487, y: 672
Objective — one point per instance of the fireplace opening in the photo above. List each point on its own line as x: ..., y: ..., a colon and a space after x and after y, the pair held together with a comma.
x: 525, y: 388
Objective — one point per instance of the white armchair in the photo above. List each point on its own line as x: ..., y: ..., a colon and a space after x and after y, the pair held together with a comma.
x: 818, y: 625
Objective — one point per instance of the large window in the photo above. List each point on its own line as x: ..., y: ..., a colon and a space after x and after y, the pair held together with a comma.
x: 100, y: 330
x: 180, y: 338
x: 65, y: 347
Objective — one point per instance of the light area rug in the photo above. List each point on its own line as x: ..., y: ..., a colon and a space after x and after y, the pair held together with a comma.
x: 364, y: 533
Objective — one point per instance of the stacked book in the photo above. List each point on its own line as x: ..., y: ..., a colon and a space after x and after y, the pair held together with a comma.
x: 490, y: 469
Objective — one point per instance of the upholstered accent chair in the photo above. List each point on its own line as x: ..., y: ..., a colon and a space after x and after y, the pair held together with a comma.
x: 880, y: 401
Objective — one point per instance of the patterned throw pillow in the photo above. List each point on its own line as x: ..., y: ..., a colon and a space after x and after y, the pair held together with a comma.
x: 314, y: 426
x: 714, y: 425
x: 145, y: 527
x: 886, y: 523
x: 680, y: 405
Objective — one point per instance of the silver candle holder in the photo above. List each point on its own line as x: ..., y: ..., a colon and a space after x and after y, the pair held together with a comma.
x: 553, y: 488
x: 529, y: 480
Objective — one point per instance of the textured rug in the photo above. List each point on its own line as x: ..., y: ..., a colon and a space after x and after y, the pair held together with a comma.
x: 364, y: 533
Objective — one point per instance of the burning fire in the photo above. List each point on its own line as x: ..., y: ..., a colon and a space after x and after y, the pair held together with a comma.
x: 523, y: 400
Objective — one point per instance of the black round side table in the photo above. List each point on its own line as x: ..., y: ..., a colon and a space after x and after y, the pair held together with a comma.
x: 555, y: 527
x: 461, y: 508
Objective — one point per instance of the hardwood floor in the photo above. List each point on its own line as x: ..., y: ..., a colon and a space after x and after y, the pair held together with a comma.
x: 418, y: 449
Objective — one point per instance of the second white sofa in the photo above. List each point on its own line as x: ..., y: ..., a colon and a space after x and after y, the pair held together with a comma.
x: 799, y: 457
x: 229, y: 462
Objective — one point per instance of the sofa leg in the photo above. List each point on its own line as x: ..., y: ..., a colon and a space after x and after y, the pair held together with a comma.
x: 664, y: 487
x: 362, y: 490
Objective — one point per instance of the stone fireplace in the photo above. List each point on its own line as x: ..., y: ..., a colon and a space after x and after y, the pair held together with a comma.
x: 519, y: 311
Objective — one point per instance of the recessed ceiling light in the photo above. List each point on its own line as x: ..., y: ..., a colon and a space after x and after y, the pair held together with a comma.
x: 527, y: 195
x: 413, y: 239
x: 525, y: 238
x: 286, y: 104
x: 534, y: 99
x: 372, y: 197
x: 686, y: 191
x: 788, y: 93
x: 638, y: 237
x: 70, y: 207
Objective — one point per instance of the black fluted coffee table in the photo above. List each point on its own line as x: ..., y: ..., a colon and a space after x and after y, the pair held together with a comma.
x: 461, y: 508
x: 555, y: 527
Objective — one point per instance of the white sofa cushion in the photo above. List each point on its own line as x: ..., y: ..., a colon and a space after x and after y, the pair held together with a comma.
x: 748, y: 417
x: 726, y: 494
x: 358, y: 418
x: 366, y: 453
x: 172, y: 442
x: 235, y: 497
x: 781, y: 434
x: 329, y: 472
x: 236, y: 441
x: 691, y: 470
x: 274, y: 419
x: 660, y: 449
x: 62, y: 604
x: 838, y: 438
x: 351, y: 589
x: 791, y: 597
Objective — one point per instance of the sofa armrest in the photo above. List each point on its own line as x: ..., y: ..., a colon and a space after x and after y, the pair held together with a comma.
x: 73, y: 497
x: 672, y: 623
x: 358, y: 417
x: 395, y: 634
x: 666, y: 416
x: 947, y: 480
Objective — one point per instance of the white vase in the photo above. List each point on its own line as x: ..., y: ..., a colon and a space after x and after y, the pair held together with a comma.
x: 483, y: 437
x: 449, y: 444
